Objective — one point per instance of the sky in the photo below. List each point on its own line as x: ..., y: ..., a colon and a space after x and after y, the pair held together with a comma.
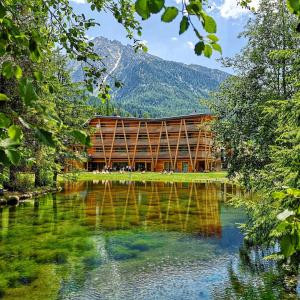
x: 163, y: 39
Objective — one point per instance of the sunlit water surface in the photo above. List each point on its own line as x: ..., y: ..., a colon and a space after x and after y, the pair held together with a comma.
x: 130, y: 240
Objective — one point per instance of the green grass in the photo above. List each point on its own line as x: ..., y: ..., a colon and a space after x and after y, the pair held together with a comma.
x: 153, y: 176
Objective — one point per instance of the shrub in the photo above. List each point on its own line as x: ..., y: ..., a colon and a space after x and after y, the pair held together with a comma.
x: 3, y: 286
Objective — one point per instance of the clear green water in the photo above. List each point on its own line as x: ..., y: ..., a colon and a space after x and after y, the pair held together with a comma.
x: 120, y: 240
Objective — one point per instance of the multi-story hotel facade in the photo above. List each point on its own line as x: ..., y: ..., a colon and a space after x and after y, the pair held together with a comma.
x: 180, y: 144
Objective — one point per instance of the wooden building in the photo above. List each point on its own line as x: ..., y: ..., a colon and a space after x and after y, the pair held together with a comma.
x: 182, y: 144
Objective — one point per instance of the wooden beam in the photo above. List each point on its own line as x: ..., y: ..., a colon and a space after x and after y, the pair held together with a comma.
x: 102, y: 141
x: 126, y: 143
x: 197, y: 149
x: 112, y: 144
x: 136, y: 142
x: 170, y: 153
x: 178, y: 142
x: 206, y: 152
x: 158, y: 144
x: 188, y: 143
x: 150, y: 146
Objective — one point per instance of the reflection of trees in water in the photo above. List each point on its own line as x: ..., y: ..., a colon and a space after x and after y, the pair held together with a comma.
x: 41, y: 245
x: 46, y: 242
x: 186, y: 207
x: 257, y: 278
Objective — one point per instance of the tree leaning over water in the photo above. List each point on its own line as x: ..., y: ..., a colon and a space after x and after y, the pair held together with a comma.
x: 32, y: 127
x: 259, y: 122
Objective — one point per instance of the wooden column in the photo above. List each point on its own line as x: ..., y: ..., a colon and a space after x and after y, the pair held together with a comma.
x: 112, y: 144
x: 178, y: 142
x: 136, y: 141
x: 158, y: 144
x: 128, y: 156
x: 170, y: 152
x: 188, y: 143
x: 150, y: 146
x: 102, y: 141
x: 197, y: 149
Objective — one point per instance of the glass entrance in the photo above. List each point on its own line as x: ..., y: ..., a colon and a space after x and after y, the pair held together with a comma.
x: 185, y: 167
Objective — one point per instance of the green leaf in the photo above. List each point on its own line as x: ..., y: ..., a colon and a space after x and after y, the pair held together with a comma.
x: 38, y: 75
x: 293, y: 192
x: 207, y: 51
x: 212, y: 37
x: 2, y: 11
x: 217, y: 47
x: 184, y: 24
x: 8, y: 143
x: 18, y: 72
x: 170, y: 14
x: 194, y: 7
x: 293, y: 5
x: 27, y: 91
x: 286, y: 246
x: 7, y: 70
x: 3, y: 97
x: 13, y: 156
x: 155, y: 6
x: 15, y: 133
x: 210, y: 25
x: 34, y: 50
x: 3, y: 158
x: 46, y: 137
x: 278, y: 195
x: 81, y: 137
x: 4, y: 121
x: 281, y: 227
x: 142, y: 8
x: 199, y: 47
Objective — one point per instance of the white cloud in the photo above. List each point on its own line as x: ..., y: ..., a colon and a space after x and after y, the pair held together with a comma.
x: 79, y: 1
x: 89, y: 37
x: 190, y: 44
x: 231, y: 8
x: 174, y: 38
x: 212, y: 7
x: 180, y: 1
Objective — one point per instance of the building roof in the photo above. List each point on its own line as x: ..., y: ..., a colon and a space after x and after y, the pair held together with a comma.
x: 148, y: 119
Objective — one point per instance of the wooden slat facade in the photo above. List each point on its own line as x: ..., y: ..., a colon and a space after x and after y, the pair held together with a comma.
x: 182, y: 144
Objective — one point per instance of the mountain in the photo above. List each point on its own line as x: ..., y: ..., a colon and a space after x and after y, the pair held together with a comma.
x: 153, y: 85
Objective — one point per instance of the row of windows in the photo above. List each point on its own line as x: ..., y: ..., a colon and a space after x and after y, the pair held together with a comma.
x: 119, y: 124
x: 162, y: 149
x: 145, y: 136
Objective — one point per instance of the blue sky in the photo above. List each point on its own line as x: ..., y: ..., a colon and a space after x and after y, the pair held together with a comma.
x: 163, y: 40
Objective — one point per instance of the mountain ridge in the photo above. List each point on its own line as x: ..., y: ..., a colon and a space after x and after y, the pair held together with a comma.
x: 151, y: 84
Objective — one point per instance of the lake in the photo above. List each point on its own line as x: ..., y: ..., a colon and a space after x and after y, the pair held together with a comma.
x: 131, y: 240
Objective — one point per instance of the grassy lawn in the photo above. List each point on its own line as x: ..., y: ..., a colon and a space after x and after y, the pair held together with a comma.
x: 153, y: 176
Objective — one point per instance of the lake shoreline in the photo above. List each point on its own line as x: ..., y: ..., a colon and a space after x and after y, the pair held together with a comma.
x: 15, y: 197
x: 152, y: 176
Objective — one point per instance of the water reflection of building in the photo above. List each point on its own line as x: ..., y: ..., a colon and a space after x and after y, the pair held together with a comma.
x: 186, y: 207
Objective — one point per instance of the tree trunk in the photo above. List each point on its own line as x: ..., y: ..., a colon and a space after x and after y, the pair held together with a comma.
x: 55, y: 174
x: 37, y: 177
x: 11, y: 185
